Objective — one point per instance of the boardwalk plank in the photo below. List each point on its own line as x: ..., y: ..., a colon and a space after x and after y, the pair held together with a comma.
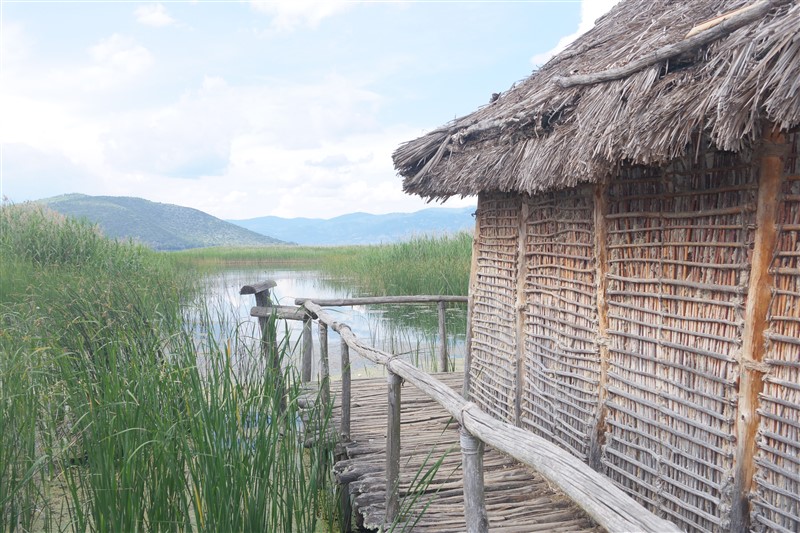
x: 517, y: 498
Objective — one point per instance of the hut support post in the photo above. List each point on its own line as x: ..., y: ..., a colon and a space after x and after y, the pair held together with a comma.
x: 601, y: 270
x: 308, y: 349
x: 443, y: 367
x: 325, y: 373
x: 393, y: 449
x: 756, y: 322
x: 474, y: 499
x: 473, y: 283
x: 521, y: 306
x: 344, y: 429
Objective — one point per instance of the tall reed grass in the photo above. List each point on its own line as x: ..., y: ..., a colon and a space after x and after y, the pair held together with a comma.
x: 125, y: 408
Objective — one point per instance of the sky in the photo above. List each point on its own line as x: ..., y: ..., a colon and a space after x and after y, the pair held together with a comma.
x: 244, y: 109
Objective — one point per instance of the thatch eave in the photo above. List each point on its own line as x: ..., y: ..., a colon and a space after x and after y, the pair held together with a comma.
x: 540, y: 136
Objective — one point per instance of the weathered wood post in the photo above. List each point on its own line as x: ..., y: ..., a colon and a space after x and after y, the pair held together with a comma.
x: 345, y: 505
x: 325, y: 372
x: 393, y: 449
x: 442, y: 338
x: 474, y: 500
x: 344, y: 430
x: 269, y: 344
x: 308, y: 349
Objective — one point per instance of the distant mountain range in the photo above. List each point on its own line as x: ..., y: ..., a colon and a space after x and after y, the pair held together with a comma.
x: 172, y: 227
x: 160, y: 226
x: 363, y: 228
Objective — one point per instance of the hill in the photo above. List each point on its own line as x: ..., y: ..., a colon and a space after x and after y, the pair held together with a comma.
x: 160, y: 226
x: 363, y: 228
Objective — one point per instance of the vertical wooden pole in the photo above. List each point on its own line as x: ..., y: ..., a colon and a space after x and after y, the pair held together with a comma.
x: 474, y: 498
x: 346, y: 376
x: 521, y: 305
x: 597, y: 437
x: 443, y: 367
x: 325, y: 371
x: 308, y: 349
x: 473, y: 281
x: 761, y: 284
x: 393, y: 449
x: 269, y: 348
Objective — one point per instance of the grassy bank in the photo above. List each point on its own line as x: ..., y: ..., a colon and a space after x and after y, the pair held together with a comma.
x: 124, y: 407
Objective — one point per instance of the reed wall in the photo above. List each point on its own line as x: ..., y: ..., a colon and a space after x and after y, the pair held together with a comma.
x: 631, y: 299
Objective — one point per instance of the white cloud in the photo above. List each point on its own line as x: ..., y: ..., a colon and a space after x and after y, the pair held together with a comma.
x: 116, y: 61
x: 153, y: 15
x: 591, y: 10
x: 288, y: 15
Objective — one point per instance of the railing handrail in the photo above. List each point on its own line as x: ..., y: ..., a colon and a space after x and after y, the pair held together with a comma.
x: 608, y: 505
x: 377, y: 300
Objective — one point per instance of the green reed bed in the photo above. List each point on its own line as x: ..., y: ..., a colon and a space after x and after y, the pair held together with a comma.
x: 260, y: 255
x: 124, y: 407
x: 423, y: 265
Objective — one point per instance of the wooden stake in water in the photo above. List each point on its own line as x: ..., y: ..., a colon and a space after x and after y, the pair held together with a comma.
x: 346, y: 377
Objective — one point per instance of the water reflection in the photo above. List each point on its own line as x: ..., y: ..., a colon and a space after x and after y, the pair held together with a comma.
x: 409, y: 331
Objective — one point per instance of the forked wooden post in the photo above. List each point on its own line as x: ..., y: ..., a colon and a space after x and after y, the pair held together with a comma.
x: 344, y: 429
x: 325, y: 372
x: 269, y: 345
x: 308, y: 349
x: 443, y: 367
x: 474, y: 498
x: 261, y: 291
x: 393, y: 449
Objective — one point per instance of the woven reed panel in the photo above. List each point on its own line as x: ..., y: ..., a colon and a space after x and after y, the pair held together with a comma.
x: 776, y: 503
x: 562, y: 365
x: 679, y: 239
x: 493, y: 366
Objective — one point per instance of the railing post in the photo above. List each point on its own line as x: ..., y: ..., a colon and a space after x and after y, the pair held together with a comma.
x: 442, y: 338
x: 325, y: 372
x: 393, y: 449
x: 308, y: 349
x: 474, y: 500
x: 344, y: 430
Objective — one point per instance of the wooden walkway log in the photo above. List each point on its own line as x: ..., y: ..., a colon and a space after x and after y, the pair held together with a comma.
x: 518, y: 500
x: 608, y: 505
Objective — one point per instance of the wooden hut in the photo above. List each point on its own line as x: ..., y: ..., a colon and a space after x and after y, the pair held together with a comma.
x: 635, y: 292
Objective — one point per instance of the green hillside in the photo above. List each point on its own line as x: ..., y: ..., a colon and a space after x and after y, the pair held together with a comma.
x: 160, y: 226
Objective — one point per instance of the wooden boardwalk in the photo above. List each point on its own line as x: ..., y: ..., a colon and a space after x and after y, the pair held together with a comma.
x: 517, y: 498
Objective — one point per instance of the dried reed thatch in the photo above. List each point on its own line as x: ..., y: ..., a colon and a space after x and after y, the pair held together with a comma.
x: 545, y: 133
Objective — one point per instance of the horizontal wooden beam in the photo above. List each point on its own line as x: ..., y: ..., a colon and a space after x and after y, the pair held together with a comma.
x: 286, y: 312
x: 258, y: 288
x: 608, y: 505
x: 374, y: 300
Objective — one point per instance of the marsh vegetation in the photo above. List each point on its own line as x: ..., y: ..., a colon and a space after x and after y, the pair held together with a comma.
x: 127, y: 404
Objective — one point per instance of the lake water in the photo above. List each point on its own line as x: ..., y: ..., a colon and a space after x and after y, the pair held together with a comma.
x: 410, y: 331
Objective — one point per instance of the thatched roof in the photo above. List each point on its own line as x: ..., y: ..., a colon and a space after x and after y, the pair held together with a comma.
x: 541, y: 135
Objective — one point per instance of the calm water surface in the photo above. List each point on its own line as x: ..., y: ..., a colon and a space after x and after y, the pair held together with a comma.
x: 410, y: 331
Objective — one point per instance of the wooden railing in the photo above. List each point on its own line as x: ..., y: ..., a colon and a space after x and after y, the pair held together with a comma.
x: 609, y: 506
